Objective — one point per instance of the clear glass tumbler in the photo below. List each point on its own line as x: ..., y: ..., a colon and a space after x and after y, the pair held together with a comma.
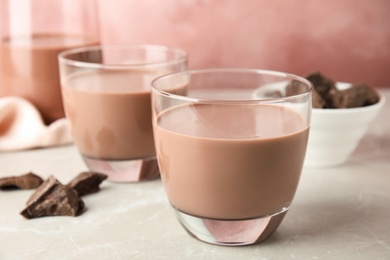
x: 230, y: 148
x: 32, y: 33
x: 106, y: 93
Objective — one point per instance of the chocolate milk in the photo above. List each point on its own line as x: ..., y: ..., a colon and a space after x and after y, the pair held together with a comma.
x: 29, y: 69
x: 230, y: 162
x: 110, y: 113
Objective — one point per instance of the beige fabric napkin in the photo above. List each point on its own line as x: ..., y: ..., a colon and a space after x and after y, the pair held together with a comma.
x: 22, y: 127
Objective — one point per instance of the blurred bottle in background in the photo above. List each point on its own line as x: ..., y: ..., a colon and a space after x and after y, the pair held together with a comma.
x: 32, y: 33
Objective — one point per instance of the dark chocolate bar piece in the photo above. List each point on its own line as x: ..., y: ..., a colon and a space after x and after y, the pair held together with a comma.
x: 296, y: 87
x: 25, y: 182
x: 317, y: 101
x: 87, y: 182
x: 335, y: 99
x: 53, y: 199
x: 273, y: 94
x: 358, y: 95
x: 372, y: 96
x: 323, y: 85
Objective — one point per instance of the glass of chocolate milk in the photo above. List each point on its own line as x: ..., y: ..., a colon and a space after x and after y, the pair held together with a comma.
x: 231, y: 149
x: 106, y: 94
x: 32, y: 33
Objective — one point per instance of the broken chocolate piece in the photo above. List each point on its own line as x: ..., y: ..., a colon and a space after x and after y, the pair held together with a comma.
x: 316, y: 100
x: 322, y: 84
x: 358, y: 95
x: 87, y: 182
x: 372, y: 95
x: 273, y: 94
x: 295, y: 87
x: 25, y: 182
x: 53, y: 199
x: 334, y: 99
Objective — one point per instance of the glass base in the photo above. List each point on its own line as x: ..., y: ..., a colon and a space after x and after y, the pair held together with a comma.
x: 230, y: 232
x: 125, y: 170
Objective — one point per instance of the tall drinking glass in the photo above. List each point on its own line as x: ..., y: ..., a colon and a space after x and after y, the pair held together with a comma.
x: 32, y: 33
x: 231, y: 149
x: 106, y: 92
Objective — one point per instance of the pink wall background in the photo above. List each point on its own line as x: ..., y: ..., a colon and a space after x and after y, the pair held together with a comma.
x: 348, y: 40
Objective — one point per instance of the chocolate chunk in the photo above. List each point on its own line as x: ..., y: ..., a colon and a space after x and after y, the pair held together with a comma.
x: 25, y: 182
x: 323, y: 85
x: 273, y: 94
x: 295, y: 87
x: 356, y: 96
x: 372, y: 95
x: 335, y: 99
x: 87, y: 182
x: 53, y: 199
x: 317, y: 101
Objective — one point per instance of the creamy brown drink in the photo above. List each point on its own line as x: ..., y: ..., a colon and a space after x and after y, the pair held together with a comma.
x: 110, y: 113
x: 231, y: 155
x: 29, y: 69
x: 107, y: 99
x: 230, y: 162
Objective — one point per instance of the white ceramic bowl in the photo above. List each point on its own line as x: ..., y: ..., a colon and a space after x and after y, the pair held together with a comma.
x: 335, y: 133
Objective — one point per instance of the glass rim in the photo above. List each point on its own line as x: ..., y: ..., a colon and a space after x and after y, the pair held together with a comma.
x: 282, y: 75
x: 62, y: 56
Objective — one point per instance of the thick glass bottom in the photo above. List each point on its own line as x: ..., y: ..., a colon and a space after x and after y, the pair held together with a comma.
x: 230, y: 232
x: 125, y: 170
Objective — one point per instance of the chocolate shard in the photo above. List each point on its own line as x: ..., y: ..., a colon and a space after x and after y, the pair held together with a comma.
x: 296, y: 87
x: 358, y: 95
x: 321, y: 83
x: 317, y: 101
x: 25, y: 182
x: 335, y: 99
x: 372, y: 96
x: 87, y: 182
x: 273, y: 94
x: 52, y: 198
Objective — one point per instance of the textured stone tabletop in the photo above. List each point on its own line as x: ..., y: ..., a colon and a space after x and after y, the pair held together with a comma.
x: 338, y: 213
